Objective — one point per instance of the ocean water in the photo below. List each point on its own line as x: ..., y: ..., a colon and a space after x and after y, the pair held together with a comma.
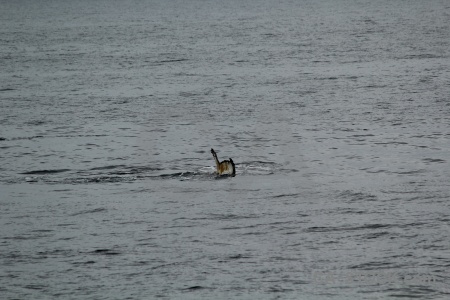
x: 336, y: 113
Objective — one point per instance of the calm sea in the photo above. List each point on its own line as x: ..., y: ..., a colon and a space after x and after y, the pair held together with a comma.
x: 336, y: 113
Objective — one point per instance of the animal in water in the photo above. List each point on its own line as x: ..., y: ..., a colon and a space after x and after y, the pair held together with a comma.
x: 225, y: 167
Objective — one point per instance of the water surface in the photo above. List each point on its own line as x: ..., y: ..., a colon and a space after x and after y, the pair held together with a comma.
x: 336, y: 114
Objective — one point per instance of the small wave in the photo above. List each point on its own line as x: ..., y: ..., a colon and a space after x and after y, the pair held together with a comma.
x: 374, y: 235
x: 434, y: 160
x: 136, y: 170
x: 27, y: 137
x: 411, y: 172
x: 44, y: 172
x: 42, y: 230
x: 18, y: 138
x: 374, y: 265
x: 37, y: 287
x: 353, y: 196
x: 89, y: 262
x: 34, y: 236
x: 89, y: 211
x: 73, y: 180
x: 175, y: 60
x: 35, y: 123
x: 195, y: 288
x: 346, y: 228
x: 107, y: 167
x: 420, y: 56
x: 286, y: 195
x: 105, y: 252
x: 99, y: 179
x: 230, y: 216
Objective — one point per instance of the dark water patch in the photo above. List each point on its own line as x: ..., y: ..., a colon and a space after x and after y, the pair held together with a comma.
x: 37, y: 287
x: 177, y: 175
x: 96, y: 179
x: 230, y: 216
x: 352, y: 211
x: 6, y: 90
x: 194, y: 288
x: 411, y: 172
x: 240, y: 227
x: 373, y: 265
x: 42, y: 178
x: 412, y: 224
x: 89, y: 211
x: 105, y: 252
x: 417, y: 289
x: 393, y: 142
x: 141, y: 263
x: 90, y: 145
x: 375, y: 86
x: 14, y: 256
x: 66, y: 224
x: 169, y: 265
x: 296, y: 104
x: 279, y: 289
x: 42, y: 230
x: 130, y: 170
x: 420, y: 56
x: 175, y: 60
x: 35, y: 123
x: 346, y: 228
x: 368, y: 170
x: 89, y: 262
x: 45, y: 172
x: 361, y: 135
x: 430, y: 136
x: 286, y: 196
x: 186, y: 95
x: 434, y: 160
x: 54, y: 136
x: 128, y: 174
x: 24, y: 237
x: 57, y: 253
x: 133, y: 222
x: 27, y: 138
x: 107, y: 167
x: 353, y: 196
x: 238, y: 256
x: 289, y: 170
x: 374, y: 235
x: 327, y: 78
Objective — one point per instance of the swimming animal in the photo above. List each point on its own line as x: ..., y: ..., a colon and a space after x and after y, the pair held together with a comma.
x: 225, y: 167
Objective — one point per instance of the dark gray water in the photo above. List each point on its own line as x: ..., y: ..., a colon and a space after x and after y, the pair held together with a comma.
x: 336, y: 113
